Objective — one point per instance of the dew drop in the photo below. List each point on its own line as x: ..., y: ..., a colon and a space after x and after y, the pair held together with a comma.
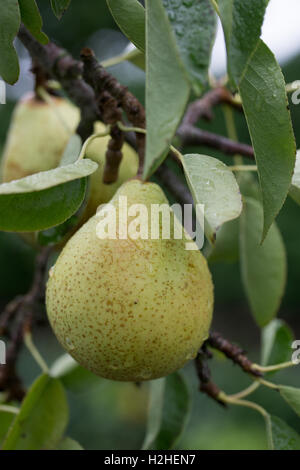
x: 190, y: 356
x: 69, y: 344
x: 151, y: 270
x: 179, y: 30
x: 145, y: 374
x: 209, y: 185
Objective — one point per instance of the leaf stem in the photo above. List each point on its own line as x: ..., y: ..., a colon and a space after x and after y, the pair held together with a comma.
x: 268, y: 384
x: 231, y: 130
x: 35, y: 353
x: 143, y: 131
x: 115, y: 60
x: 247, y: 391
x: 131, y: 129
x: 254, y: 406
x: 49, y: 100
x: 283, y: 365
x: 243, y: 168
x: 177, y: 153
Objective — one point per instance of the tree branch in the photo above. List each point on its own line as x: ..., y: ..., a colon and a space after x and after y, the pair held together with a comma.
x: 202, y: 108
x: 207, y: 386
x: 99, y: 79
x: 191, y: 135
x: 67, y: 71
x: 233, y: 352
x: 16, y: 320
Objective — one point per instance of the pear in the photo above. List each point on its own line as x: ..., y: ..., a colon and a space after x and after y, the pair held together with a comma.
x: 101, y: 193
x: 129, y: 308
x: 37, y: 136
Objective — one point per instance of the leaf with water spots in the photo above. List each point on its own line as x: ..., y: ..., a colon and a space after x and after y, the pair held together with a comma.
x: 194, y: 26
x: 292, y: 396
x: 167, y: 86
x: 214, y: 185
x: 266, y: 108
x: 242, y: 22
x: 282, y: 436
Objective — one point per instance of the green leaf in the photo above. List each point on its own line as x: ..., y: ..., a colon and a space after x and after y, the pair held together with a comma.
x: 226, y: 249
x: 168, y: 412
x: 69, y: 444
x: 30, y: 212
x: 242, y: 22
x: 10, y: 20
x: 277, y: 340
x: 59, y: 7
x: 49, y: 179
x: 292, y: 396
x: 32, y: 19
x: 55, y: 235
x: 263, y: 266
x: 167, y: 87
x: 214, y: 185
x: 295, y: 187
x: 43, y: 200
x: 72, y: 150
x: 283, y: 436
x: 42, y: 419
x: 130, y: 17
x: 72, y: 375
x: 6, y: 420
x: 194, y: 42
x: 266, y: 108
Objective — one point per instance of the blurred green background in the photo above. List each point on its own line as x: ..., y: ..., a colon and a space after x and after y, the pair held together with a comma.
x: 108, y: 415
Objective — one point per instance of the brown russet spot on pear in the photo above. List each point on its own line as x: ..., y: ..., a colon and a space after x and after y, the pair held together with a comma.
x: 130, y: 309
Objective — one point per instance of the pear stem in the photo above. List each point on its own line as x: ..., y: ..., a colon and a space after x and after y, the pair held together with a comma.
x: 49, y: 100
x: 35, y: 353
x: 90, y: 140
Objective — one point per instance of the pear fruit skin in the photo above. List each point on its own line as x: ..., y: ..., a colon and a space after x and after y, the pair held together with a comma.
x: 37, y: 138
x: 127, y: 309
x: 101, y: 193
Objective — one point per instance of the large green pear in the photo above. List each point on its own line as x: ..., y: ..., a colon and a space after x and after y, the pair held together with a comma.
x: 130, y: 308
x: 37, y: 137
x: 101, y: 193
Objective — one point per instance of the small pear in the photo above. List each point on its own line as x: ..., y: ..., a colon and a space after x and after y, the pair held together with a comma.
x: 101, y: 193
x: 37, y: 136
x: 129, y: 308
